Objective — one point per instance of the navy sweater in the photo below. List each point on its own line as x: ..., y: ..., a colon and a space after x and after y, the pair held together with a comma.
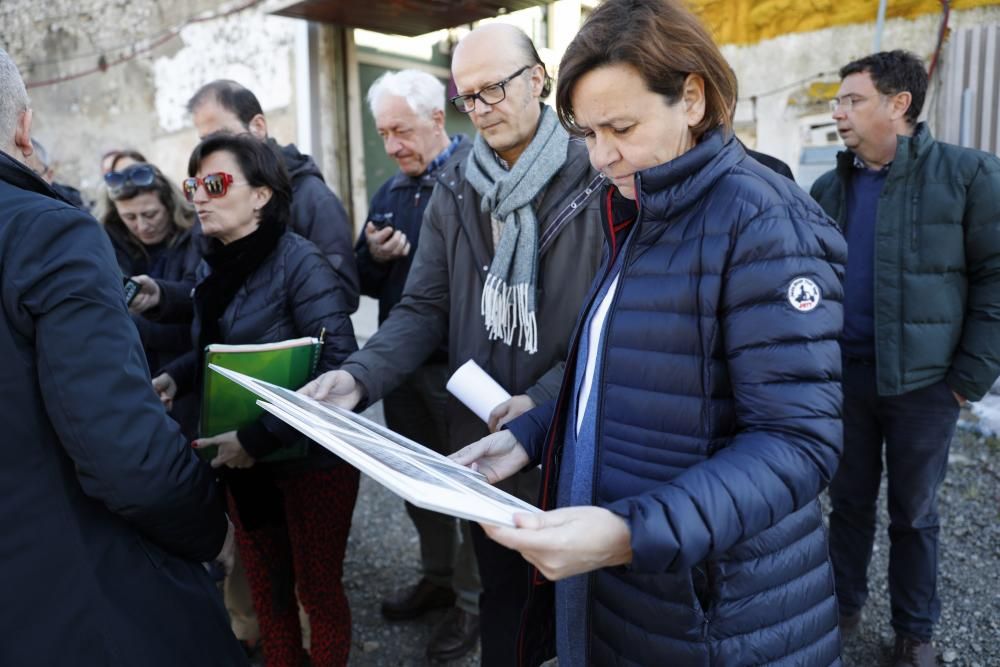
x: 859, y: 284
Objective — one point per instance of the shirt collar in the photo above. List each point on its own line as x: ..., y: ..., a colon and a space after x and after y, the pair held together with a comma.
x: 860, y: 164
x: 443, y: 156
x: 500, y: 161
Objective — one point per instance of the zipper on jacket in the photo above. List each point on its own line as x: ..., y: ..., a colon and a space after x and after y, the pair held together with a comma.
x: 707, y: 610
x: 598, y: 385
x: 913, y: 221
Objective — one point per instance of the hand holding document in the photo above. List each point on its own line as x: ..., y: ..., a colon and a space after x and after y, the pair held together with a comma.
x: 476, y: 389
x: 418, y: 474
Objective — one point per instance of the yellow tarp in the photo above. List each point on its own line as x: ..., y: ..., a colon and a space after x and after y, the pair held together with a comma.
x: 750, y: 21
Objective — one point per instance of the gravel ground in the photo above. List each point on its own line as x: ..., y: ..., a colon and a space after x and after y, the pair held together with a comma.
x: 969, y: 504
x: 382, y: 556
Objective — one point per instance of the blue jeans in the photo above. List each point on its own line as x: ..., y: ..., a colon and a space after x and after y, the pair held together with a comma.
x: 916, y: 428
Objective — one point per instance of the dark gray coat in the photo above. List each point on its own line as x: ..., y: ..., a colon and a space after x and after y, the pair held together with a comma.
x: 106, y: 511
x: 441, y: 300
x: 318, y: 215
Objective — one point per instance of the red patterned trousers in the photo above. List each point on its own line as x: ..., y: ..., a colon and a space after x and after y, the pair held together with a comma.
x: 306, y: 555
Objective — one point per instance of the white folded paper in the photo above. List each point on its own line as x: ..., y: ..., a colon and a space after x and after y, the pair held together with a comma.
x: 476, y: 389
x: 418, y: 474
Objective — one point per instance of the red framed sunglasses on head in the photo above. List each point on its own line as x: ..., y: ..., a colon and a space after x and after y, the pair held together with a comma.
x: 216, y: 185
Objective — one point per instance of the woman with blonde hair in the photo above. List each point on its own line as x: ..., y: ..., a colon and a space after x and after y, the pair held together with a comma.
x: 149, y: 223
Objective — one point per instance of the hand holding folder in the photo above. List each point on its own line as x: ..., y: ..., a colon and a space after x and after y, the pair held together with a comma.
x: 226, y: 406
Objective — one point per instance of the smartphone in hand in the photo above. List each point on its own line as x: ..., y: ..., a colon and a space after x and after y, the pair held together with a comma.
x: 380, y: 220
x: 131, y: 289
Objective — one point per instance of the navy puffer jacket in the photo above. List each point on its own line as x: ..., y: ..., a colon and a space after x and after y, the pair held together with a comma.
x: 718, y: 426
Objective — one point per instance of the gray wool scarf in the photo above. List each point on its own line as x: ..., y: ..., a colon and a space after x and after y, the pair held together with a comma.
x: 508, y: 302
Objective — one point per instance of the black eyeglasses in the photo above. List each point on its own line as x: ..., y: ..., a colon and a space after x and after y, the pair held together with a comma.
x: 491, y: 94
x: 124, y: 183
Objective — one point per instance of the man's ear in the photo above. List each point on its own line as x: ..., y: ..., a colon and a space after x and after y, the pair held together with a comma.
x: 537, y: 79
x: 22, y: 135
x: 258, y: 126
x: 900, y: 104
x: 437, y: 117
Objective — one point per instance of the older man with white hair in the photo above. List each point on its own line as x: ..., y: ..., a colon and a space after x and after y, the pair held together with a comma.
x: 107, y: 513
x: 408, y: 108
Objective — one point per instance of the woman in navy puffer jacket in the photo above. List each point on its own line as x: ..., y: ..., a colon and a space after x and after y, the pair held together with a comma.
x: 699, y: 417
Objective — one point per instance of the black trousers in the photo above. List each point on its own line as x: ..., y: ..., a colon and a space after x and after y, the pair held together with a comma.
x: 916, y: 429
x: 506, y: 580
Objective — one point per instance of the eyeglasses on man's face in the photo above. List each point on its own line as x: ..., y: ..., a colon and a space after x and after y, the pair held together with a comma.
x: 846, y: 103
x: 490, y: 95
x: 216, y: 185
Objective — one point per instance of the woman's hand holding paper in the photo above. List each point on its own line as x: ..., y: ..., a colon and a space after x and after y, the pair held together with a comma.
x: 498, y: 456
x: 567, y: 541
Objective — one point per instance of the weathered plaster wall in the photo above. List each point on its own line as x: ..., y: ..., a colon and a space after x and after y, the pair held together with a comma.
x: 778, y: 70
x: 140, y: 102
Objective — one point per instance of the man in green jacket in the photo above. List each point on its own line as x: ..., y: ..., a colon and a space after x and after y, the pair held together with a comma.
x: 921, y: 329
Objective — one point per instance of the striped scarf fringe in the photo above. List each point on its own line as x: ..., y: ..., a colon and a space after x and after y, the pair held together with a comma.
x: 505, y: 309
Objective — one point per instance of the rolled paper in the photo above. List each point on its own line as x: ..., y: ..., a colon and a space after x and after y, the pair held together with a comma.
x: 476, y: 389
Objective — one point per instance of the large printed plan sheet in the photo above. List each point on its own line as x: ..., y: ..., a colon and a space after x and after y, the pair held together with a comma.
x: 418, y: 474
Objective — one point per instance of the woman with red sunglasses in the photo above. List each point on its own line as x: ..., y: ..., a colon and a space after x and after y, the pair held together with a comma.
x: 260, y: 283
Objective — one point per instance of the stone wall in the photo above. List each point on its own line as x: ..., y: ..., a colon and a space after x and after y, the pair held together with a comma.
x: 779, y: 71
x: 750, y: 21
x: 109, y: 74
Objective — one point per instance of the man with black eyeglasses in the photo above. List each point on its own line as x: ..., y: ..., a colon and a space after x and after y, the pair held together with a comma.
x: 921, y: 330
x: 509, y: 244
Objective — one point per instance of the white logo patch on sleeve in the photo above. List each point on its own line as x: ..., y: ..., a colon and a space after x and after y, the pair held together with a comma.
x: 803, y: 294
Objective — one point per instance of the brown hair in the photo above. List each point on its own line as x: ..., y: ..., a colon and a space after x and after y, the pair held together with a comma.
x: 181, y: 212
x: 664, y: 41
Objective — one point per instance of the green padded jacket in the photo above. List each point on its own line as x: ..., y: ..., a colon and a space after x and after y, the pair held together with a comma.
x: 937, y: 264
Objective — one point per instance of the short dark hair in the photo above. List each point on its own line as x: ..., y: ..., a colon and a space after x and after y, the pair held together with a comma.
x: 527, y: 47
x: 231, y: 96
x: 664, y: 41
x: 894, y: 72
x: 261, y: 166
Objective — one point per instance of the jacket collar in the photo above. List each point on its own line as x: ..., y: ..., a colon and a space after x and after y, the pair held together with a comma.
x: 909, y: 150
x: 21, y: 177
x: 670, y: 188
x: 458, y: 155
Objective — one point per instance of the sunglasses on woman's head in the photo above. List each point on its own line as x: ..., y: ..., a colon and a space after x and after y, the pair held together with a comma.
x: 123, y: 184
x: 216, y: 185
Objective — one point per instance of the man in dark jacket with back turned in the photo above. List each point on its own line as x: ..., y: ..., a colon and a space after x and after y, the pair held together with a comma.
x: 921, y: 329
x: 525, y: 194
x: 107, y: 514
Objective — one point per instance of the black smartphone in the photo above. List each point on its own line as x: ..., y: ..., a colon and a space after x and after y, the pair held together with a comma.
x: 380, y: 220
x: 131, y: 289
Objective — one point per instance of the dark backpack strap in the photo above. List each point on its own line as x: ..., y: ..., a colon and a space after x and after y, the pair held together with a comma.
x: 565, y: 215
